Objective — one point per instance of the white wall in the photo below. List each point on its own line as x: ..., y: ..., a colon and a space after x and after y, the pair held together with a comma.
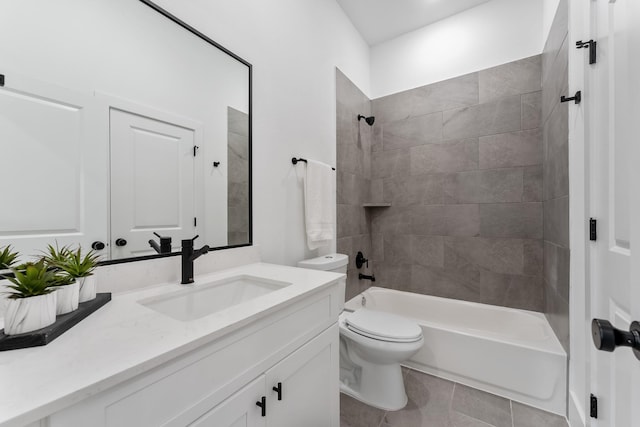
x: 294, y: 47
x: 491, y: 34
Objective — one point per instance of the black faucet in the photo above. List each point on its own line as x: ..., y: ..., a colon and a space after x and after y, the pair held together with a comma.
x: 365, y: 277
x: 188, y: 256
x: 165, y: 244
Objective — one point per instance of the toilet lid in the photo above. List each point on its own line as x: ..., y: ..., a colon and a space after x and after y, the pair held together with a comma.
x: 383, y: 326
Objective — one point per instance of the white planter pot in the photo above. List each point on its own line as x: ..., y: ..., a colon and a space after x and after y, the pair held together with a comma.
x: 29, y: 314
x: 88, y: 287
x: 68, y: 298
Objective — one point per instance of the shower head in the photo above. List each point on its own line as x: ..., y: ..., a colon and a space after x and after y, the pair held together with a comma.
x: 369, y: 119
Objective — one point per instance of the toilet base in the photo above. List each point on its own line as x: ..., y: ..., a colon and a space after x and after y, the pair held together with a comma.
x: 381, y: 386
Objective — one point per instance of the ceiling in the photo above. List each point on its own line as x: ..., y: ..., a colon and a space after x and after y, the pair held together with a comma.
x: 382, y: 20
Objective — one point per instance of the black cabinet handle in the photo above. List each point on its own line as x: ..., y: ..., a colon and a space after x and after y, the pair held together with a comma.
x: 121, y: 242
x: 278, y: 389
x: 262, y: 403
x: 97, y: 245
x: 607, y: 338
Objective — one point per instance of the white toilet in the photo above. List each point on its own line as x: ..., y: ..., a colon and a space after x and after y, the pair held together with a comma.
x: 372, y: 346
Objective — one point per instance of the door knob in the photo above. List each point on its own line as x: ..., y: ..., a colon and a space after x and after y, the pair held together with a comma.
x: 121, y: 242
x: 607, y: 338
x: 97, y: 245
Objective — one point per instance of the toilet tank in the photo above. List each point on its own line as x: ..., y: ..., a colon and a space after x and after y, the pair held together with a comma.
x: 336, y: 263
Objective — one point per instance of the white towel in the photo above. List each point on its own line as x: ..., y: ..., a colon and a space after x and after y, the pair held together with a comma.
x: 319, y: 204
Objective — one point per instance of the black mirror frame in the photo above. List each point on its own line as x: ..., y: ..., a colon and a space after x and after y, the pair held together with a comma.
x: 200, y: 35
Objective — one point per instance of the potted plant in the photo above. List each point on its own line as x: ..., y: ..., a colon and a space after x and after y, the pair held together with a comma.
x: 65, y: 285
x: 32, y: 302
x: 81, y: 267
x: 7, y: 258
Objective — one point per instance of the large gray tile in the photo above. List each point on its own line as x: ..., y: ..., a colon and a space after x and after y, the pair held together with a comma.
x: 446, y: 220
x: 557, y: 82
x: 556, y: 162
x: 460, y: 420
x: 532, y: 184
x: 387, y: 164
x: 521, y: 220
x: 556, y: 268
x: 376, y: 190
x: 513, y: 78
x: 485, y: 186
x: 457, y: 283
x: 492, y: 254
x: 531, y: 110
x: 397, y: 249
x: 351, y: 220
x: 533, y: 257
x: 352, y: 188
x: 482, y: 406
x: 445, y: 95
x: 351, y: 159
x: 393, y: 276
x: 523, y: 148
x: 526, y: 416
x: 410, y: 190
x: 428, y: 405
x: 354, y: 413
x: 238, y: 122
x: 557, y: 312
x: 346, y: 125
x: 393, y: 220
x: 512, y: 290
x: 556, y: 221
x: 412, y: 131
x: 376, y: 138
x: 426, y: 250
x: 502, y: 115
x: 453, y: 156
x: 350, y: 95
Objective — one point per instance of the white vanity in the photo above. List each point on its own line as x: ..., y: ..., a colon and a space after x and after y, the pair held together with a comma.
x: 255, y: 345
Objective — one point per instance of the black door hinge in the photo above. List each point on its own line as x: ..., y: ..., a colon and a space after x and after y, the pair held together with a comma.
x: 593, y: 411
x: 195, y: 221
x: 591, y: 44
x: 593, y: 229
x: 195, y: 150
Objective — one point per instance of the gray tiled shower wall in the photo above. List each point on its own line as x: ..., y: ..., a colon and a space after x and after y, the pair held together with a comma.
x: 353, y: 168
x: 556, y: 175
x: 461, y: 163
x: 238, y: 182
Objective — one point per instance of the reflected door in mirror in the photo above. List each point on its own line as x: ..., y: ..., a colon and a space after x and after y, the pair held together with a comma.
x: 152, y: 182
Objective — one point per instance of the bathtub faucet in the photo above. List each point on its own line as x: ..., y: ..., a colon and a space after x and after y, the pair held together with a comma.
x: 365, y: 277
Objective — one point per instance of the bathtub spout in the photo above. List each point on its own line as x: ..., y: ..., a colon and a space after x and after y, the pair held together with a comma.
x: 365, y: 277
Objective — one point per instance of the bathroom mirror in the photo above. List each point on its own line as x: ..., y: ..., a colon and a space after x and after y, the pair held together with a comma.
x: 120, y: 125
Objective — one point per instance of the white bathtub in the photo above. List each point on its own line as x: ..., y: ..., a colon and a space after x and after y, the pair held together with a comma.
x: 509, y: 352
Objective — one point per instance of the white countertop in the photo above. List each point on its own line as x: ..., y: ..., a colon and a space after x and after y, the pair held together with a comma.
x: 124, y: 338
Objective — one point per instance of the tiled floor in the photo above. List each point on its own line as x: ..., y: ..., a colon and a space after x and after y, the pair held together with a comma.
x: 434, y: 402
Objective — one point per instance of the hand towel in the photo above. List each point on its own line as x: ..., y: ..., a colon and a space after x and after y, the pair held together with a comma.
x: 319, y: 204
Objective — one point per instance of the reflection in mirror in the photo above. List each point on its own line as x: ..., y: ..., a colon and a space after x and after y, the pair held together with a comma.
x: 120, y: 130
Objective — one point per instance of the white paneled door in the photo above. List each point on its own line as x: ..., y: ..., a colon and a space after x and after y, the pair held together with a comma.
x: 614, y: 190
x: 52, y: 167
x: 152, y: 183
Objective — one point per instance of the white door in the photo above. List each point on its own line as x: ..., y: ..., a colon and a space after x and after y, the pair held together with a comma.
x: 152, y: 183
x: 615, y: 202
x: 307, y: 384
x: 239, y: 410
x: 52, y: 167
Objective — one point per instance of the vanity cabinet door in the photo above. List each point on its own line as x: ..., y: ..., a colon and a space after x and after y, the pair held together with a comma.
x: 307, y: 381
x: 239, y: 410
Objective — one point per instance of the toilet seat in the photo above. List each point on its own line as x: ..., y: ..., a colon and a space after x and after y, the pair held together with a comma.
x: 382, y: 326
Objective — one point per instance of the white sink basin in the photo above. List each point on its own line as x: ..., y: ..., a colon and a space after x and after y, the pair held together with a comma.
x: 204, y: 299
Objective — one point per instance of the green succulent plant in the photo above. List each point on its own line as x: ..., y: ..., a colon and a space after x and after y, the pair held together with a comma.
x: 62, y: 279
x: 55, y: 255
x: 32, y: 280
x: 75, y: 264
x: 7, y: 257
